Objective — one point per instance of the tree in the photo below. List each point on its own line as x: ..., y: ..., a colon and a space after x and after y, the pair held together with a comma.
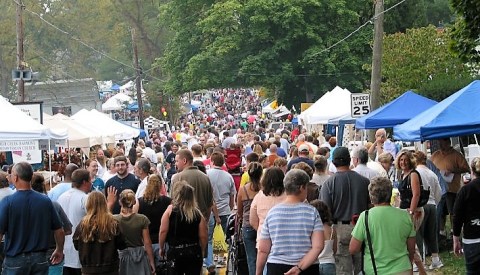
x: 419, y: 60
x: 466, y: 32
x: 279, y: 45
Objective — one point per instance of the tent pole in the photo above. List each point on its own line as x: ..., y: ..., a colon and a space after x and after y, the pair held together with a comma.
x: 49, y: 157
x: 69, y: 152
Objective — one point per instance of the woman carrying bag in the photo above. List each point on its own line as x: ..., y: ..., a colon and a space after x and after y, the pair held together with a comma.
x: 385, y: 253
x: 185, y: 230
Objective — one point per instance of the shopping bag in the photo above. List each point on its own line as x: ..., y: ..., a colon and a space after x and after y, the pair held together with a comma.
x: 219, y: 244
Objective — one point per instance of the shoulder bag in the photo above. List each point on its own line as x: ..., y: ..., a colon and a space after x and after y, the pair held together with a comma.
x: 369, y: 240
x: 406, y: 193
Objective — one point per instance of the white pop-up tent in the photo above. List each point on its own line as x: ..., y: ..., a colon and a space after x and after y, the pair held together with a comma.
x: 116, y: 102
x: 108, y: 126
x: 19, y: 126
x: 332, y: 105
x: 79, y: 136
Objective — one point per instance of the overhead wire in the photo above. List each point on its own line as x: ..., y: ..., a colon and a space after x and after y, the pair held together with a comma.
x: 370, y: 21
x: 77, y: 39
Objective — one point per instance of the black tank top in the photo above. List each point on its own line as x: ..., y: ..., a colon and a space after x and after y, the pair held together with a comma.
x: 180, y: 231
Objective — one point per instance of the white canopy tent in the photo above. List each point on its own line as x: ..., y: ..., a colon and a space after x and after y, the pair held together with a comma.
x: 332, y: 105
x: 20, y: 126
x: 116, y: 102
x: 281, y: 111
x: 107, y: 125
x: 79, y: 136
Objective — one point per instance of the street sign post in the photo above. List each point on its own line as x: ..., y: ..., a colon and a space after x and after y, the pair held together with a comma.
x: 360, y: 105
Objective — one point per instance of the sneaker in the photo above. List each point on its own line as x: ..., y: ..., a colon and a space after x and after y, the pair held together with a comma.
x: 436, y: 264
x: 415, y: 268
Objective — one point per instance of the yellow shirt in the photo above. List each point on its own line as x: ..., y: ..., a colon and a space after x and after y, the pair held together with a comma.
x: 245, y: 179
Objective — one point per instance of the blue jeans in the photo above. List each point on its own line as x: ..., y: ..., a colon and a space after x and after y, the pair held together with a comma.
x: 54, y: 269
x: 26, y: 263
x: 327, y: 269
x: 472, y: 258
x: 250, y: 241
x: 211, y: 226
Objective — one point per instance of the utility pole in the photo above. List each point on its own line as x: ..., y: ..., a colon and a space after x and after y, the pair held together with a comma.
x: 138, y: 80
x: 376, y: 78
x: 20, y: 61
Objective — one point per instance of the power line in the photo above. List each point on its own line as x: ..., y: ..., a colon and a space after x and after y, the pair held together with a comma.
x: 78, y: 40
x: 358, y: 29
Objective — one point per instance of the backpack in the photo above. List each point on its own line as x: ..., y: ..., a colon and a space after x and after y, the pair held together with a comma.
x: 233, y: 161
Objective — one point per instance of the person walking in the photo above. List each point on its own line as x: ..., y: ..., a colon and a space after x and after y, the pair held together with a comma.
x: 153, y: 205
x: 122, y: 181
x: 292, y: 235
x: 184, y: 229
x: 73, y: 203
x: 26, y: 249
x: 466, y: 216
x: 346, y: 194
x: 409, y: 186
x: 137, y: 257
x: 98, y: 238
x: 427, y: 237
x: 246, y: 194
x: 393, y: 253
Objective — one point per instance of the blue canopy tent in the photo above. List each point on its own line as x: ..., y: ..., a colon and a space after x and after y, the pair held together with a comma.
x: 457, y: 115
x: 134, y: 106
x: 396, y: 112
x: 115, y: 87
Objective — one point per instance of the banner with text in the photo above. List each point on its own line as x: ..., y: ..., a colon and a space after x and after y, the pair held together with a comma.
x: 19, y: 145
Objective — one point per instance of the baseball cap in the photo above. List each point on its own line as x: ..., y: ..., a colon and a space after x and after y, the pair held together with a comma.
x: 303, y: 148
x: 341, y: 153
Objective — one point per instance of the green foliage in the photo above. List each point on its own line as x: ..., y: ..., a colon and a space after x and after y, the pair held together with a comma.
x: 415, y: 14
x: 443, y: 85
x: 275, y: 44
x: 466, y: 31
x: 419, y: 60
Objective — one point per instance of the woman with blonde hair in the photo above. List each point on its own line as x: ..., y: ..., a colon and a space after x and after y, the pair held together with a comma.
x: 410, y: 186
x: 98, y: 238
x: 185, y: 230
x: 137, y: 258
x: 153, y: 205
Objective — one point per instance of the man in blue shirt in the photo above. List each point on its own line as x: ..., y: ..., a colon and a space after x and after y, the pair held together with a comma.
x: 26, y: 231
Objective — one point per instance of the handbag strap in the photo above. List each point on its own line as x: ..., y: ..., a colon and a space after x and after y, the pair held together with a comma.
x: 369, y: 239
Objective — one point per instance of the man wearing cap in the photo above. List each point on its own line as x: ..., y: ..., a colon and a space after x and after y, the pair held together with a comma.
x: 303, y: 151
x: 346, y: 194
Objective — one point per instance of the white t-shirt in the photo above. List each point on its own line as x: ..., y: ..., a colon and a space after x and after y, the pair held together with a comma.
x: 73, y: 203
x: 141, y: 188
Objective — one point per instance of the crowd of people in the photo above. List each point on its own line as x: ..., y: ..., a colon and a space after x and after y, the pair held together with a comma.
x: 303, y: 205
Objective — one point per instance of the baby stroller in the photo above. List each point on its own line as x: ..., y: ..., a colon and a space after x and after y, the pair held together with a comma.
x: 237, y: 257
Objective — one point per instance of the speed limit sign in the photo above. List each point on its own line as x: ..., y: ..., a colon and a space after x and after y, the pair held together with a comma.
x: 360, y: 104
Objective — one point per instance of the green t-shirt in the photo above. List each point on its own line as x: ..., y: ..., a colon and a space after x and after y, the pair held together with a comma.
x: 132, y: 228
x: 389, y: 230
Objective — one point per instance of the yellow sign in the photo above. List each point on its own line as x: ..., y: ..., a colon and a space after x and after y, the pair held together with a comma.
x: 305, y: 106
